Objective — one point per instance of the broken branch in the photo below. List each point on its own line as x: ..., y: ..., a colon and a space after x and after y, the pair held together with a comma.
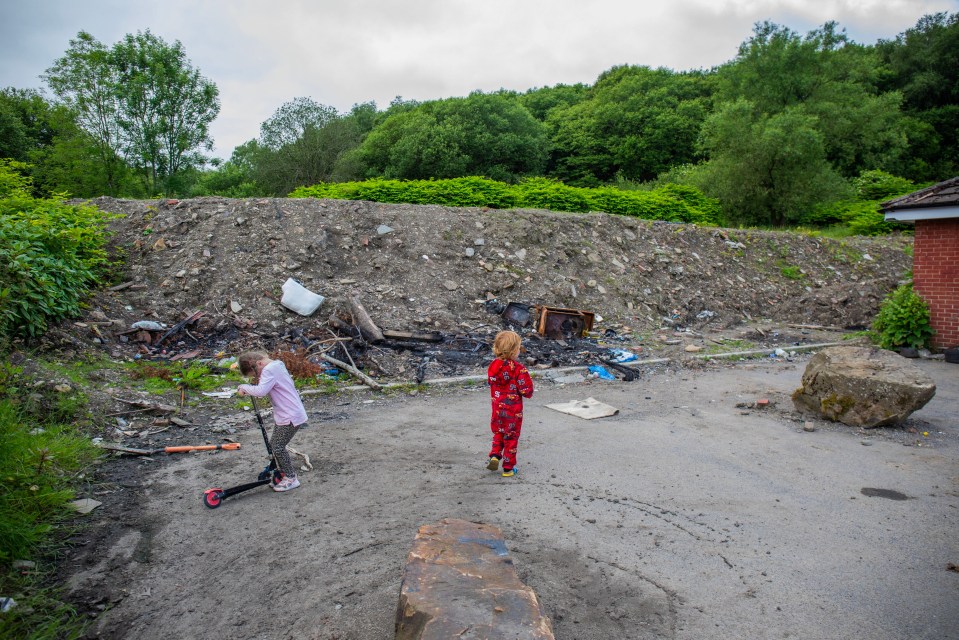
x: 368, y: 381
x: 363, y: 320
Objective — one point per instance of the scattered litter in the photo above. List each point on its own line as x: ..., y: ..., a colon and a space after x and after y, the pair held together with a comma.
x: 516, y: 313
x: 220, y: 394
x: 621, y: 355
x: 145, y: 405
x: 298, y: 298
x: 7, y: 603
x: 573, y: 378
x: 85, y: 505
x: 307, y: 465
x: 587, y: 409
x: 229, y: 446
x: 559, y: 324
x: 148, y: 325
x: 705, y: 314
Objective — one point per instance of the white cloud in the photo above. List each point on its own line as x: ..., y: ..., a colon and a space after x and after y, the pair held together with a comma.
x: 341, y: 52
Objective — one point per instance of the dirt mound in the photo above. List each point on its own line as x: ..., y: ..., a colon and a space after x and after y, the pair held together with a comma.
x: 421, y: 267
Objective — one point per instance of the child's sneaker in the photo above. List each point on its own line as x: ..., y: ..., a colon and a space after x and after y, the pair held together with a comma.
x: 493, y: 463
x: 287, y: 483
x: 509, y: 473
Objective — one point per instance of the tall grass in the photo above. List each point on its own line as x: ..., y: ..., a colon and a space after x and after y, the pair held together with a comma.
x: 41, y: 458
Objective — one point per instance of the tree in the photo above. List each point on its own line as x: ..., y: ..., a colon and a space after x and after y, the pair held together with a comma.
x: 304, y: 143
x: 233, y: 178
x: 765, y: 169
x: 923, y: 64
x: 15, y: 139
x: 826, y: 76
x: 61, y: 157
x: 541, y: 101
x: 489, y: 135
x: 292, y: 120
x: 166, y: 106
x: 85, y: 80
x: 636, y: 123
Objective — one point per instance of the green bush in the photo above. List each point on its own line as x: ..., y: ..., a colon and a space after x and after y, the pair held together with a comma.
x: 51, y: 256
x: 41, y: 459
x: 670, y: 202
x: 543, y: 193
x: 903, y: 320
x: 862, y: 215
x: 879, y: 185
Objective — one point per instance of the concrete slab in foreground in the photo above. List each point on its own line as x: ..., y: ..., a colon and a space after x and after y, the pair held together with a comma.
x: 460, y: 582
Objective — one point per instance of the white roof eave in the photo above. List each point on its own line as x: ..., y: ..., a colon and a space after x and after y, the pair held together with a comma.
x: 930, y: 213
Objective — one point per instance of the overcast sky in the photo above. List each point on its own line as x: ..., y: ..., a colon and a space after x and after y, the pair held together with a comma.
x: 340, y: 53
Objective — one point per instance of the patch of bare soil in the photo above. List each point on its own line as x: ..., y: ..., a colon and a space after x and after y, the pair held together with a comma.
x: 211, y: 271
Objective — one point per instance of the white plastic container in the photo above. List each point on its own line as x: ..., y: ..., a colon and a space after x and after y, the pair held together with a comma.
x: 298, y: 298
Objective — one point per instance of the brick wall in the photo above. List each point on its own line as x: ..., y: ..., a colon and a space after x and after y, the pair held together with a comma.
x: 936, y: 276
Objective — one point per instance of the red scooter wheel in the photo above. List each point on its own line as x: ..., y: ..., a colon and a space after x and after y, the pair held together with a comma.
x: 211, y: 497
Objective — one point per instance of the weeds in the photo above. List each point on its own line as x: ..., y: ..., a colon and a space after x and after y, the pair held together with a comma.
x: 791, y: 272
x: 159, y: 378
x: 42, y: 457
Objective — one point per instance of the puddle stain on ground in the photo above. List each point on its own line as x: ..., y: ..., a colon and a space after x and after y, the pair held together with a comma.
x: 883, y: 493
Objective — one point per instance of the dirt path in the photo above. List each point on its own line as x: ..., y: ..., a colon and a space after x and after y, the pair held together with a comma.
x: 684, y: 516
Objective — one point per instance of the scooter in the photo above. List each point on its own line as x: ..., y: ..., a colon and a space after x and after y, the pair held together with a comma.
x: 271, y: 474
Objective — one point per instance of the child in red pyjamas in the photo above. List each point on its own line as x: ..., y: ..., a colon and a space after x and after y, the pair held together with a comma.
x: 509, y: 383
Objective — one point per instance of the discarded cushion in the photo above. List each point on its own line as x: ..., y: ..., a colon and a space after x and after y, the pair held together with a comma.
x: 862, y: 387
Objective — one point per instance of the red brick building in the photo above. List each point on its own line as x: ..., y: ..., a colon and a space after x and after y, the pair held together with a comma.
x: 935, y: 261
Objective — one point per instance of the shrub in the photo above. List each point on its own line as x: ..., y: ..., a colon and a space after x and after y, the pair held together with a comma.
x: 903, y: 320
x: 879, y: 185
x: 543, y: 193
x: 51, y: 256
x: 670, y: 202
x: 42, y: 454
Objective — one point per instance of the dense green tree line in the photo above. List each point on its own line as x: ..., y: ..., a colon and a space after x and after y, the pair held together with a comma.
x: 776, y: 134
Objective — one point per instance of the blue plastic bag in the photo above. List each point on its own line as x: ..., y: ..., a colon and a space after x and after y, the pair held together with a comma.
x: 601, y: 372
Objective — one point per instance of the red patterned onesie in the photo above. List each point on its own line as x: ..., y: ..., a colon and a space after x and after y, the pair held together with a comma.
x: 509, y: 383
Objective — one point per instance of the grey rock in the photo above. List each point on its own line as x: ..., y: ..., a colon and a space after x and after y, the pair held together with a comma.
x: 862, y: 387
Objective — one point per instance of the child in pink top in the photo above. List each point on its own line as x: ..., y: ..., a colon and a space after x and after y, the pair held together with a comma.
x: 288, y: 413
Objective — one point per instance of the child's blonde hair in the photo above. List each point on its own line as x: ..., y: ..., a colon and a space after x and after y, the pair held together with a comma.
x: 506, y: 345
x: 248, y: 361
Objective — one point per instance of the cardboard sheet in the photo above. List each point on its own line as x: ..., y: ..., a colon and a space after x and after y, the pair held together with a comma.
x: 587, y: 409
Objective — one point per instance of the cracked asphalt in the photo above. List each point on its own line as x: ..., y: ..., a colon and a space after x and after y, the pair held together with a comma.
x: 683, y: 516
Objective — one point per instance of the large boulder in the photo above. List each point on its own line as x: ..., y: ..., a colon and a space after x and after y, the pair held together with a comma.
x: 461, y: 583
x: 862, y: 387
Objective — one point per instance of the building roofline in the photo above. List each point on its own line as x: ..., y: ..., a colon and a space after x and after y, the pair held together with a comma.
x: 922, y: 199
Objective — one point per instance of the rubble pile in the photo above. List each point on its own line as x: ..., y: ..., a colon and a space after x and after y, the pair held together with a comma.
x: 212, y: 275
